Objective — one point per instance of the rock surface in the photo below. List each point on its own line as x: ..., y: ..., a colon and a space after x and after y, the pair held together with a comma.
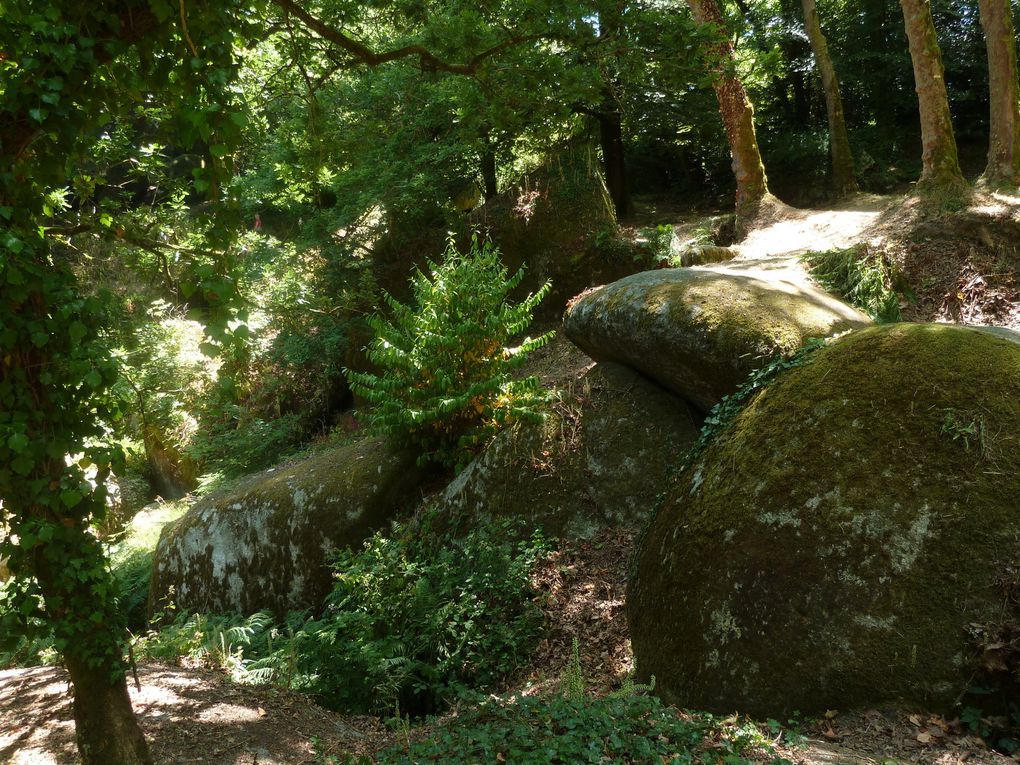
x: 598, y: 461
x: 847, y: 539
x: 701, y: 331
x: 265, y: 542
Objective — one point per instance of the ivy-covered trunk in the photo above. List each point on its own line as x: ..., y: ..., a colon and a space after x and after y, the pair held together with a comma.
x: 940, y: 163
x: 736, y: 110
x: 1004, y: 98
x: 55, y: 377
x: 844, y: 177
x: 106, y: 730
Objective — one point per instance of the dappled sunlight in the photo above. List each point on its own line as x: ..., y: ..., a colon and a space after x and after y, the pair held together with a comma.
x: 800, y: 231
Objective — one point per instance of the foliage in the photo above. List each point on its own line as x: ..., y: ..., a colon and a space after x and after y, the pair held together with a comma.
x: 447, y: 366
x: 861, y: 276
x: 536, y: 730
x: 414, y: 618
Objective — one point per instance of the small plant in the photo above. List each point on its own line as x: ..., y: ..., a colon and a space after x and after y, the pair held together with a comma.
x: 447, y: 364
x: 535, y: 730
x: 966, y: 428
x: 860, y: 275
x: 726, y: 411
x: 574, y: 686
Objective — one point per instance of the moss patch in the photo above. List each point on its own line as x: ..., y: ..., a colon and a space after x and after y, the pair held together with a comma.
x: 700, y: 332
x: 596, y: 462
x: 831, y: 548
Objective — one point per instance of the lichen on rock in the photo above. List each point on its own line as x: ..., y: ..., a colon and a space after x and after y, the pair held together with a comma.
x: 265, y: 542
x: 833, y: 547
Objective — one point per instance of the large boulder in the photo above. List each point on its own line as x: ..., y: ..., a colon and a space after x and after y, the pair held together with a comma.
x: 701, y: 331
x: 846, y: 539
x: 599, y: 460
x: 265, y: 543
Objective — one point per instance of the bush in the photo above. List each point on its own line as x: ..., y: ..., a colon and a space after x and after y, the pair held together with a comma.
x: 531, y: 730
x: 446, y: 380
x: 414, y: 619
x: 418, y: 616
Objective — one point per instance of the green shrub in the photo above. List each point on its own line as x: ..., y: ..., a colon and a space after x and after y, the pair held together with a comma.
x: 532, y: 730
x: 414, y: 619
x: 447, y: 366
x: 861, y: 276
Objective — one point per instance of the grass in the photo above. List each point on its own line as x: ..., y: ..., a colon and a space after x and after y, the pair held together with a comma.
x: 861, y: 276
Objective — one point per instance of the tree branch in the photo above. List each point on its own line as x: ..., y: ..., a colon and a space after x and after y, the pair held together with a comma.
x: 427, y: 60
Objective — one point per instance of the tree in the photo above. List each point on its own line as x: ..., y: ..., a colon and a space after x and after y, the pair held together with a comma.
x: 736, y: 110
x: 940, y: 163
x: 843, y: 175
x: 1004, y: 113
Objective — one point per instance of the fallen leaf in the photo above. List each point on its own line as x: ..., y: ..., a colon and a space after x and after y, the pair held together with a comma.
x: 924, y: 737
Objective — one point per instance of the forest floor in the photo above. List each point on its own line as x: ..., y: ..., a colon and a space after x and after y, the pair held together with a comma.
x: 197, y: 715
x: 961, y: 267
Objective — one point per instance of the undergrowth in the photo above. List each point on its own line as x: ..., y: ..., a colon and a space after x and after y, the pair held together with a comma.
x: 861, y: 276
x: 415, y: 618
x: 625, y: 729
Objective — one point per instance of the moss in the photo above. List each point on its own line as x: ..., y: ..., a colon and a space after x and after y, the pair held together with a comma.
x: 264, y: 542
x: 700, y: 332
x: 850, y: 538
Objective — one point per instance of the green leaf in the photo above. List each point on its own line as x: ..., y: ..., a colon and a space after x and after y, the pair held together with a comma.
x: 17, y: 443
x: 70, y: 498
x: 94, y: 379
x: 77, y: 332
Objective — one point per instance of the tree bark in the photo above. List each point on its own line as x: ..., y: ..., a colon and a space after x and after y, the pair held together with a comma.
x: 611, y: 140
x: 106, y: 730
x: 488, y: 160
x: 105, y: 727
x: 736, y: 111
x: 1004, y: 98
x: 940, y: 162
x: 844, y: 177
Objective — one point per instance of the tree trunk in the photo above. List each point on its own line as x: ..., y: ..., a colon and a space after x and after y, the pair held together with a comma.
x: 737, y: 113
x: 1004, y: 98
x: 489, y: 179
x: 106, y: 730
x: 940, y: 163
x: 611, y: 140
x: 105, y: 727
x: 843, y: 175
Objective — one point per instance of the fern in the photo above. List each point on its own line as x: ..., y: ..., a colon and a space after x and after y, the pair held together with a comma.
x: 447, y: 364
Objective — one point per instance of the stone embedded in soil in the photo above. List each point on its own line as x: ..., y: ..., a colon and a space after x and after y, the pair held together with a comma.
x: 836, y: 545
x: 701, y: 331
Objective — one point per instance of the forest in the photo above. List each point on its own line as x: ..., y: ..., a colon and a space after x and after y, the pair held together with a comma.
x: 520, y: 382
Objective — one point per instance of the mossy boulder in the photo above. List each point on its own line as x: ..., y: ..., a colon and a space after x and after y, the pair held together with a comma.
x: 837, y: 544
x: 598, y: 460
x: 699, y: 331
x: 265, y: 543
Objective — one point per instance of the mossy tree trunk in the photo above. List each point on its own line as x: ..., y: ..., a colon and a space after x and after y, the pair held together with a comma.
x: 736, y: 110
x: 940, y: 162
x: 844, y: 176
x: 1004, y: 125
